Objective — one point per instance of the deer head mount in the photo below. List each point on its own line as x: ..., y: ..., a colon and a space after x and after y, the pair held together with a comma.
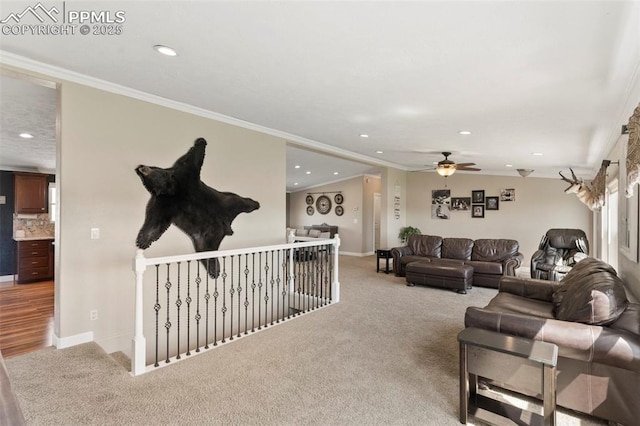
x: 583, y: 191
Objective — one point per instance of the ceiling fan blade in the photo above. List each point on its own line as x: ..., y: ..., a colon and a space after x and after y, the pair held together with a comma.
x: 465, y: 164
x: 469, y: 169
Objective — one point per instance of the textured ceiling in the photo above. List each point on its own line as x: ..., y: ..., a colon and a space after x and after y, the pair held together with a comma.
x: 523, y: 77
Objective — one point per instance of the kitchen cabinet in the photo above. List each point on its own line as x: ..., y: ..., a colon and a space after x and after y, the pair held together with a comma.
x: 35, y: 260
x: 31, y: 193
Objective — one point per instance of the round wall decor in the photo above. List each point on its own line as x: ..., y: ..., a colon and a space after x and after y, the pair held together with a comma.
x: 323, y: 204
x: 338, y: 198
x: 310, y: 210
x: 339, y: 211
x: 309, y: 199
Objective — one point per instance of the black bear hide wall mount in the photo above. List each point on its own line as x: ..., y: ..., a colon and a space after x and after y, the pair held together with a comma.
x: 179, y: 197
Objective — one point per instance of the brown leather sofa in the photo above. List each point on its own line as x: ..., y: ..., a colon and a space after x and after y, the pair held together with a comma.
x: 10, y: 413
x: 596, y: 329
x: 491, y: 259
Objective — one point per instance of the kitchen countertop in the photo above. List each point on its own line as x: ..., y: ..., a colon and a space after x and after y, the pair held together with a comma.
x: 32, y: 238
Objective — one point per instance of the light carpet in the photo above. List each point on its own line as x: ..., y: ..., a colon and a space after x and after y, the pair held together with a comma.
x: 387, y: 354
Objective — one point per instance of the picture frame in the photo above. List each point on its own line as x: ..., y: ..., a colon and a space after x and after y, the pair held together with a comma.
x: 440, y: 203
x: 477, y: 211
x: 460, y: 204
x: 508, y: 194
x: 492, y: 203
x: 477, y: 196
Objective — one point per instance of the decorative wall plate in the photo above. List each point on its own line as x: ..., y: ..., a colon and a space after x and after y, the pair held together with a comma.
x: 323, y: 204
x: 309, y: 199
x: 339, y: 211
x: 338, y: 198
x: 310, y: 210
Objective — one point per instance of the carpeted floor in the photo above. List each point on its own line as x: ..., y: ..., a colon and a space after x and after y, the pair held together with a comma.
x: 385, y: 355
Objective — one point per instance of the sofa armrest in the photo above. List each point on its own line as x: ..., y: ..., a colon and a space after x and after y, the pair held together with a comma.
x: 529, y: 287
x: 513, y: 263
x: 588, y: 343
x: 397, y: 253
x: 10, y: 413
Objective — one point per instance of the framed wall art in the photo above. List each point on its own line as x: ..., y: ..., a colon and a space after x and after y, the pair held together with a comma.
x: 492, y: 203
x: 477, y: 197
x: 508, y: 194
x: 460, y: 204
x: 477, y: 211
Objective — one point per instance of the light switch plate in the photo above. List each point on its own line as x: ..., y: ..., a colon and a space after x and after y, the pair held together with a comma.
x: 95, y: 233
x: 3, y: 199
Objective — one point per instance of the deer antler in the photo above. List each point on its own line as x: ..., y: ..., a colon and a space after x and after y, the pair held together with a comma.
x: 582, y: 191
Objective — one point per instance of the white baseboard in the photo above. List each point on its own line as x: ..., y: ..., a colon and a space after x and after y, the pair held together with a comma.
x: 351, y: 253
x: 6, y: 278
x: 77, y: 339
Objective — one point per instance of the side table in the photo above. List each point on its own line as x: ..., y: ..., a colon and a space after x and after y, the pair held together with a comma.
x: 525, y: 364
x: 383, y: 254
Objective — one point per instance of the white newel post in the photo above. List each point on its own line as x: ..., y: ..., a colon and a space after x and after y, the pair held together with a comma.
x: 139, y: 344
x: 335, y: 287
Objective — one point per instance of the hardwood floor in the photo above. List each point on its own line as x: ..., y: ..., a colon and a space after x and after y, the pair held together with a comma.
x: 26, y: 317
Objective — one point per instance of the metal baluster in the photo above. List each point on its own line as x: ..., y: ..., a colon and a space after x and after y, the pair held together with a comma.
x: 239, y: 294
x: 188, y: 300
x: 266, y: 289
x: 198, y: 316
x: 157, y: 308
x: 178, y: 305
x: 246, y: 293
x: 259, y: 292
x: 231, y: 291
x: 253, y: 292
x: 215, y: 310
x: 275, y: 295
x: 167, y: 324
x: 207, y: 296
x: 273, y: 267
x: 300, y: 271
x: 224, y: 296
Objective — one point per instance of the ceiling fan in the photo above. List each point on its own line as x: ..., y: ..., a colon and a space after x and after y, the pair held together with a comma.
x: 448, y: 167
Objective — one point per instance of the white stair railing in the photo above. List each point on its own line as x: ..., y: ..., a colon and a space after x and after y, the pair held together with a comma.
x: 191, y: 303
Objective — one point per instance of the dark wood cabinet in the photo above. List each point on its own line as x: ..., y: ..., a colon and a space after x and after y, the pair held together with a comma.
x: 31, y: 193
x: 35, y: 260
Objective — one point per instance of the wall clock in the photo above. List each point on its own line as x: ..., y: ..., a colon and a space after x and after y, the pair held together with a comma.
x: 323, y: 204
x: 309, y: 199
x: 338, y: 198
x: 310, y: 210
x: 339, y: 211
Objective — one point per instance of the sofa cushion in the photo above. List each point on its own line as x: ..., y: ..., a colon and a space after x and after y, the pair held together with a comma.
x: 425, y: 245
x: 590, y: 293
x: 514, y: 304
x: 457, y: 248
x: 494, y: 250
x: 302, y: 232
x: 629, y: 320
x: 485, y: 267
x: 315, y: 233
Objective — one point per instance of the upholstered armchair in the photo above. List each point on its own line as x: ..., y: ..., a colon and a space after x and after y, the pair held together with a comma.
x: 559, y: 250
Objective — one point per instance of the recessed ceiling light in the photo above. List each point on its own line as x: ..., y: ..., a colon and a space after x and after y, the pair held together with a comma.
x: 379, y: 152
x: 165, y: 50
x: 364, y: 135
x: 508, y: 165
x: 464, y: 132
x: 536, y: 153
x: 26, y: 135
x: 336, y: 173
x: 295, y: 183
x: 309, y: 173
x: 296, y: 167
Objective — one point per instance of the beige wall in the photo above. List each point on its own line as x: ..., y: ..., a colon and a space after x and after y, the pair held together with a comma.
x: 355, y: 226
x: 103, y: 138
x: 540, y: 204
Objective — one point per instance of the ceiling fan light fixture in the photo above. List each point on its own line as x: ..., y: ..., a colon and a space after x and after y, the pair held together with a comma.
x: 525, y: 172
x: 446, y: 169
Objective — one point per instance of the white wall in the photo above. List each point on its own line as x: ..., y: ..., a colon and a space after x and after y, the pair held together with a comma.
x: 540, y: 204
x: 103, y: 138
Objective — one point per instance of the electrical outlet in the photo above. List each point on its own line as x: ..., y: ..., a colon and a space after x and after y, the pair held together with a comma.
x: 95, y: 233
x: 93, y: 315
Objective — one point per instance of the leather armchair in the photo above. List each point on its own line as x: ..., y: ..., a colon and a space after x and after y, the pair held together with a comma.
x: 559, y: 250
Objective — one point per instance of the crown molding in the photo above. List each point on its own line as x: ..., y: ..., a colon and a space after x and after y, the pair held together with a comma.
x: 62, y: 74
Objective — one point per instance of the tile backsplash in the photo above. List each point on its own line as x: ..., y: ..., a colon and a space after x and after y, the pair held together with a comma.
x: 34, y: 225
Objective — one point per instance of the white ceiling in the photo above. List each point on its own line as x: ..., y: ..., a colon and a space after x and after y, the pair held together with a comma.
x: 531, y: 76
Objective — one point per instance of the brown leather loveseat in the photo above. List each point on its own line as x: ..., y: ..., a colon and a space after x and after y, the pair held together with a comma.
x: 491, y: 259
x: 597, y: 331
